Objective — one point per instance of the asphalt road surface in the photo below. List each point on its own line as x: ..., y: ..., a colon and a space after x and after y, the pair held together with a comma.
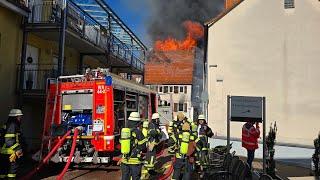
x: 94, y: 172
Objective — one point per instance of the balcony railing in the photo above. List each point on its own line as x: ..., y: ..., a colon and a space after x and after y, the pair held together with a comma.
x: 36, y: 76
x: 86, y: 27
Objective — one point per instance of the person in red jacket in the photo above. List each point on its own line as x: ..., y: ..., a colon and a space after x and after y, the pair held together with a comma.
x: 250, y: 135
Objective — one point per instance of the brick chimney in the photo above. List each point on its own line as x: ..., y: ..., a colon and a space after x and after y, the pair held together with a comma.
x: 230, y: 3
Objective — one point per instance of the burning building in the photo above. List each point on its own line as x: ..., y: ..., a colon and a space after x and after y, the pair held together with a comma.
x: 174, y: 70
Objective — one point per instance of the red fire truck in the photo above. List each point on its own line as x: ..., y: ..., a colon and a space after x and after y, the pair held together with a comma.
x: 98, y: 104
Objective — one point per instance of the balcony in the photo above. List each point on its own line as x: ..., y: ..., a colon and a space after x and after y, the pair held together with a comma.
x: 85, y: 34
x: 37, y: 76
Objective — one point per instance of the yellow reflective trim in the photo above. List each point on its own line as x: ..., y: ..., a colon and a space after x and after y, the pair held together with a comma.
x: 131, y: 161
x: 3, y: 176
x: 10, y: 135
x: 9, y: 150
x: 12, y: 175
x: 142, y: 141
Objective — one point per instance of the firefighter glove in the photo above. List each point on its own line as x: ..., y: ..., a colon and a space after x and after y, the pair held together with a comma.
x: 13, y: 157
x: 19, y: 153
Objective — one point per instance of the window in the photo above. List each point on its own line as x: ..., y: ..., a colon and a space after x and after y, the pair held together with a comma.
x: 160, y: 88
x: 157, y: 88
x: 171, y: 89
x: 181, y: 89
x: 175, y: 107
x: 288, y: 4
x: 165, y: 89
x: 185, y: 89
x: 185, y: 107
x: 176, y: 89
x: 180, y: 107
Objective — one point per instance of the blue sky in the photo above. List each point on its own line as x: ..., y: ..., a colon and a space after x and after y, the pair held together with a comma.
x: 133, y: 15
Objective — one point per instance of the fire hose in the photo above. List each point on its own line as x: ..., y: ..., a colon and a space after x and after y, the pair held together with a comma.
x: 73, y: 147
x: 45, y: 160
x: 167, y: 175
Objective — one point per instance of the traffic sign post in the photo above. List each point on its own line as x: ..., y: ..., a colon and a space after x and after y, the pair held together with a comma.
x: 247, y: 109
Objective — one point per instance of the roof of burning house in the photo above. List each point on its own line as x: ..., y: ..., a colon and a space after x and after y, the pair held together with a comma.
x: 229, y: 6
x: 169, y: 67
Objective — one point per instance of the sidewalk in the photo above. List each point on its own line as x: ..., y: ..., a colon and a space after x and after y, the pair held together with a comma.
x: 290, y: 161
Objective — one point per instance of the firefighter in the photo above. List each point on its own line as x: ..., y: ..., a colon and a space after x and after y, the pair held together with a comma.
x: 182, y: 166
x: 154, y: 136
x: 133, y: 143
x: 11, y: 150
x: 174, y: 130
x: 250, y: 135
x: 202, y: 145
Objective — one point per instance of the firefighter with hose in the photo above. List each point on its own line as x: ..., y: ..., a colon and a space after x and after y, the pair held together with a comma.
x: 11, y: 150
x: 132, y: 143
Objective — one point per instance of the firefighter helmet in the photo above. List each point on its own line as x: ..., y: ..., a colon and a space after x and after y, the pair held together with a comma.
x: 15, y: 113
x: 155, y: 116
x: 180, y: 116
x: 134, y: 116
x: 201, y: 117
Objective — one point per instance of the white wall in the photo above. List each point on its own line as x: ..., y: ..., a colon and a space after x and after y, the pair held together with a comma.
x: 179, y: 97
x: 261, y: 49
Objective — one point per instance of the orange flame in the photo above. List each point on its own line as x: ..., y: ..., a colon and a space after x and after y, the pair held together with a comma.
x: 194, y: 32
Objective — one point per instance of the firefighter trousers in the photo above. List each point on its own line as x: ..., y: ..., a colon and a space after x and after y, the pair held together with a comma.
x: 182, y: 169
x: 129, y: 171
x: 8, y: 170
x: 202, y: 146
x: 150, y: 158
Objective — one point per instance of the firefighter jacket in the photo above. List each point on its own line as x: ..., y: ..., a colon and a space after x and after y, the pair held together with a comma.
x: 137, y: 145
x: 154, y: 132
x: 205, y: 130
x: 12, y: 137
x: 250, y: 136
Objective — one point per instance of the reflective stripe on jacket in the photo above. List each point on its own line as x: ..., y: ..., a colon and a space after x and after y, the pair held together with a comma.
x: 250, y: 136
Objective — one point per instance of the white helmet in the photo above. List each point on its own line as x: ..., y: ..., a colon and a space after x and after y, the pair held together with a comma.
x: 155, y: 116
x: 201, y: 117
x: 134, y: 116
x: 15, y: 113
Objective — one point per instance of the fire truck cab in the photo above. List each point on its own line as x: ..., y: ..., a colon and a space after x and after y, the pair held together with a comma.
x: 98, y: 103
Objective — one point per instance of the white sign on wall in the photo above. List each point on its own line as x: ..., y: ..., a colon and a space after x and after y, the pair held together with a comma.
x: 246, y: 108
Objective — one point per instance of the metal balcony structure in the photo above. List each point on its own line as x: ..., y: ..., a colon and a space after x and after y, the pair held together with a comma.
x: 88, y: 34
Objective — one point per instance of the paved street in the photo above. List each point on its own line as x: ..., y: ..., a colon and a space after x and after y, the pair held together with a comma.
x: 95, y: 172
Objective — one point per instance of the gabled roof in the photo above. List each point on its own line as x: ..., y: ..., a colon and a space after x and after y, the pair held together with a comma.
x: 169, y: 67
x: 222, y: 14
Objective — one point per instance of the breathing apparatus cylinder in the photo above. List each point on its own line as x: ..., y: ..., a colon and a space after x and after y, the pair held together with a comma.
x: 125, y: 140
x: 170, y: 128
x: 184, y: 143
x: 145, y: 126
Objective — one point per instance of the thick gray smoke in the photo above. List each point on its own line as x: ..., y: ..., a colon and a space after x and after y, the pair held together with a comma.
x: 167, y: 16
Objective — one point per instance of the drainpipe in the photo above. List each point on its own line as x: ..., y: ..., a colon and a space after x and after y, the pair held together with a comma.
x: 62, y: 37
x: 205, y: 68
x: 22, y: 60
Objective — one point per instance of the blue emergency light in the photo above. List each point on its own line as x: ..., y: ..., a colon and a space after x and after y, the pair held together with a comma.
x: 108, y: 80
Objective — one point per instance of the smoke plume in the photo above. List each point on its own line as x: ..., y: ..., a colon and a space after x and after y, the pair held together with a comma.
x: 167, y: 16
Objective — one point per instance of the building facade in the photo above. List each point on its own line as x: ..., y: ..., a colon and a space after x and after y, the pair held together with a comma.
x: 46, y: 40
x: 267, y: 48
x: 170, y: 73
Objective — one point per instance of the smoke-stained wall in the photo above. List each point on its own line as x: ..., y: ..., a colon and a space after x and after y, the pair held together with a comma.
x: 197, y: 83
